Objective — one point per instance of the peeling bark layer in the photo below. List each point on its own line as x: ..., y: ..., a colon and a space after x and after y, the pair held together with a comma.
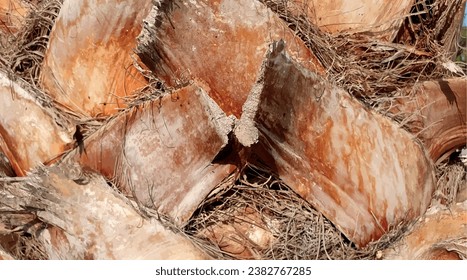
x: 88, y: 65
x: 163, y: 151
x: 30, y: 134
x: 359, y: 169
x: 220, y: 42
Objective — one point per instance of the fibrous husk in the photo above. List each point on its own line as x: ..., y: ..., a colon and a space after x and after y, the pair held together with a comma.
x: 452, y: 183
x: 258, y: 216
x: 24, y: 52
x: 12, y: 17
x: 374, y: 70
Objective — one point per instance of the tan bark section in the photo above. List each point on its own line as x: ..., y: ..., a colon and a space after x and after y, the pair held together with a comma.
x: 8, y: 164
x: 440, y: 234
x: 220, y: 42
x: 438, y: 113
x: 356, y: 167
x: 89, y: 220
x: 162, y: 151
x: 30, y: 134
x: 450, y: 30
x: 12, y: 15
x: 88, y: 65
x: 4, y: 255
x: 380, y: 18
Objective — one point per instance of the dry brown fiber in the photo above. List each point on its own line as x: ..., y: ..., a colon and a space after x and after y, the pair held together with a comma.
x: 347, y: 69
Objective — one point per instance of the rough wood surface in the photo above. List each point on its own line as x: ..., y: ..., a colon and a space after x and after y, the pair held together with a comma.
x: 87, y: 219
x: 221, y: 43
x: 356, y: 167
x: 381, y: 19
x: 163, y: 151
x: 31, y: 132
x: 96, y: 40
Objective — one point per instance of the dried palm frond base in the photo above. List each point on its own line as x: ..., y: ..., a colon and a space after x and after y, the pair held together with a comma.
x: 452, y: 182
x: 154, y: 89
x: 18, y: 236
x: 27, y: 247
x: 374, y: 70
x: 259, y: 217
x: 23, y: 51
